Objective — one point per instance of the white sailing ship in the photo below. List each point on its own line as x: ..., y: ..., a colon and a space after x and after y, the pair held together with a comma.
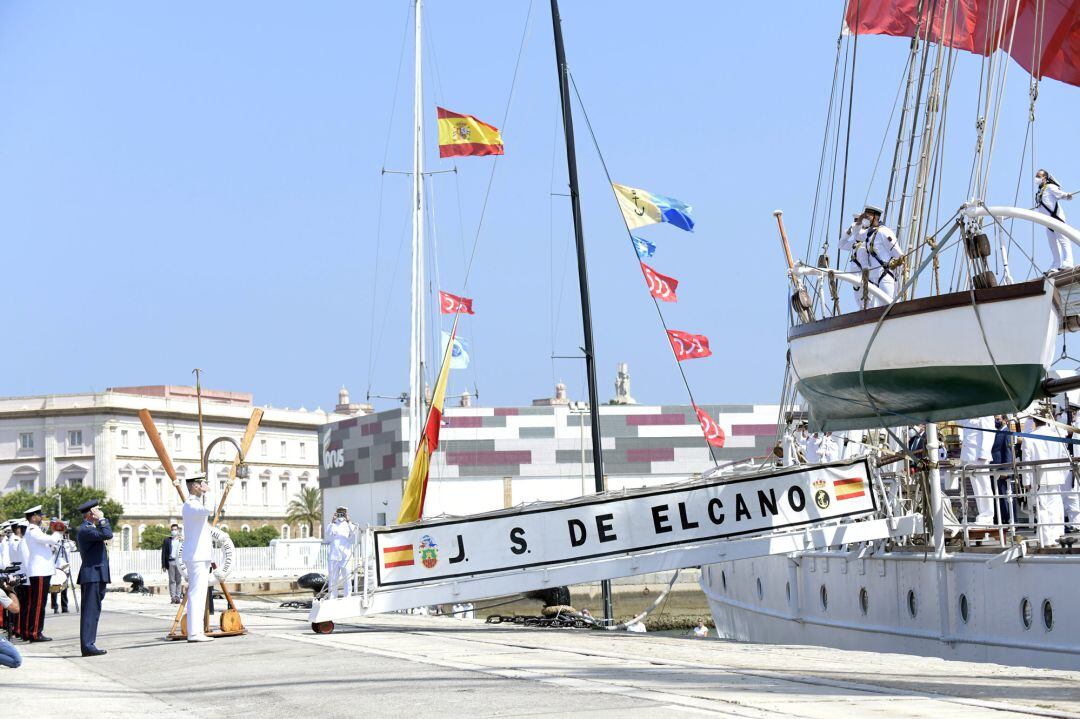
x: 974, y: 344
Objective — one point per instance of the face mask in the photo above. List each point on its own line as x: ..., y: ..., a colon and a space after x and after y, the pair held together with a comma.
x: 174, y: 533
x: 1039, y: 181
x: 865, y: 224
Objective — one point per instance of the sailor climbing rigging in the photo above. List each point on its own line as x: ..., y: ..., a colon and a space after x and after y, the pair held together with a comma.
x: 875, y: 253
x: 1048, y: 197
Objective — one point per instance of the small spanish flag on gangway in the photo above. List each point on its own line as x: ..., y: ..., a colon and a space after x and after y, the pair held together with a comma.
x: 399, y: 556
x: 849, y: 488
x: 461, y: 135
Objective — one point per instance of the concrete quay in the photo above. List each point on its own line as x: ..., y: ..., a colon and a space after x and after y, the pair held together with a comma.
x: 413, y: 666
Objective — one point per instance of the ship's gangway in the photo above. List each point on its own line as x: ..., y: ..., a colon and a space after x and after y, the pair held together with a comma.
x: 615, y: 534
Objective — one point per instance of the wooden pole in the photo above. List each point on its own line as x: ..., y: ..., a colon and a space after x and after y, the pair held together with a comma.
x: 245, y: 445
x: 162, y: 453
x: 198, y: 400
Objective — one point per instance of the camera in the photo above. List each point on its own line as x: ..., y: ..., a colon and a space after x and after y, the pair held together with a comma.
x: 58, y: 525
x: 11, y: 576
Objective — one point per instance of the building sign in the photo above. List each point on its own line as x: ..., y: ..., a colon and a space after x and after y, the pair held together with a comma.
x: 645, y: 520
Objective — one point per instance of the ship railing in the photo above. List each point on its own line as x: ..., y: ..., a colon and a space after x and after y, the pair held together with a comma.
x: 1013, y: 489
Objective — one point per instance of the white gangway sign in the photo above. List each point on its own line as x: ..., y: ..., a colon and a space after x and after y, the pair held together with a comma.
x: 615, y: 534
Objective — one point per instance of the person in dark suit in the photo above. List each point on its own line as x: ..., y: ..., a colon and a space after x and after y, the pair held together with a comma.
x: 170, y: 564
x: 1002, y: 453
x: 94, y: 574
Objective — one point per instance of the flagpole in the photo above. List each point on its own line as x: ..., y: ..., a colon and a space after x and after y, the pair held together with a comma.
x: 583, y: 274
x: 416, y: 339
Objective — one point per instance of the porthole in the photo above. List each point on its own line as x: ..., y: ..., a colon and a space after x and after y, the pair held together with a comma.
x: 864, y: 600
x: 787, y: 591
x: 1048, y: 614
x: 723, y: 580
x: 912, y: 603
x: 1025, y: 612
x: 964, y: 609
x: 760, y: 589
x: 824, y: 597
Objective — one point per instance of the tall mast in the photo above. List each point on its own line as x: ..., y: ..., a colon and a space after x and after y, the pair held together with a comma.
x: 583, y: 274
x: 416, y: 339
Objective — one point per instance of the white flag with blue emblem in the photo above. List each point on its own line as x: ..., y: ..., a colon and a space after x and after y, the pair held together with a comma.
x: 459, y: 356
x: 645, y: 249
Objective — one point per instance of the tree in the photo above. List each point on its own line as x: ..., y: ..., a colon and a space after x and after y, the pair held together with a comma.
x: 14, y: 504
x: 254, y: 538
x: 70, y: 498
x: 153, y: 537
x: 306, y: 508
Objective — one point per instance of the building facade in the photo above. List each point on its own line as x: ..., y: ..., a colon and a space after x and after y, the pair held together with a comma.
x: 495, y: 457
x: 97, y: 440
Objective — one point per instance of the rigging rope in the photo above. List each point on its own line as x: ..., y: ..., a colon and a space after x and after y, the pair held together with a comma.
x: 630, y: 239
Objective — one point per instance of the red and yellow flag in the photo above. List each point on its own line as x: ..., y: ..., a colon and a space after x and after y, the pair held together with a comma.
x: 849, y: 488
x: 461, y: 135
x: 412, y: 500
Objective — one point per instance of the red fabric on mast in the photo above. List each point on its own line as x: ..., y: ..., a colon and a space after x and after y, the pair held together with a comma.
x: 714, y: 433
x: 661, y: 286
x: 983, y: 26
x: 688, y: 346
x: 452, y: 304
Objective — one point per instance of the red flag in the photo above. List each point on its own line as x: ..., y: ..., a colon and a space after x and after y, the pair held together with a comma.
x: 452, y: 304
x: 661, y: 286
x: 688, y: 346
x: 983, y: 26
x: 714, y: 433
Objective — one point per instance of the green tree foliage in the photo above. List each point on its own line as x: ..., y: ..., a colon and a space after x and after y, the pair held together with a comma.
x: 67, y: 499
x: 306, y: 508
x: 153, y: 537
x: 254, y: 538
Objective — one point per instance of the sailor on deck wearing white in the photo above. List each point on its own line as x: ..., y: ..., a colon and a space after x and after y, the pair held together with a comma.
x: 341, y: 538
x: 1048, y: 195
x: 829, y: 447
x: 1049, y: 482
x: 976, y: 450
x: 873, y: 248
x: 812, y: 449
x: 197, y: 554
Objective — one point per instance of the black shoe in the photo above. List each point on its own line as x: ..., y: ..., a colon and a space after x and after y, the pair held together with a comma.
x: 56, y: 611
x: 95, y: 652
x: 42, y: 638
x: 63, y: 611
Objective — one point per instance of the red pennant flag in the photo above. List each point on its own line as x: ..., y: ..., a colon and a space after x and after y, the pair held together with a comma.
x: 688, y: 346
x: 714, y: 433
x: 452, y: 304
x: 661, y: 286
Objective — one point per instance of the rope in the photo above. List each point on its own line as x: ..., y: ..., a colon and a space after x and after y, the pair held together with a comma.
x: 630, y: 240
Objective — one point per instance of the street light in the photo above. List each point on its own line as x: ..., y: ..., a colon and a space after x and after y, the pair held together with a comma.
x: 581, y: 409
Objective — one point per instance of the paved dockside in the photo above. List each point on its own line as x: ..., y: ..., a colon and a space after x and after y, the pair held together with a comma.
x: 408, y: 666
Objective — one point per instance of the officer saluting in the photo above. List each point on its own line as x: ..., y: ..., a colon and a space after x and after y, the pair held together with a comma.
x: 94, y: 574
x: 1048, y: 196
x: 875, y: 252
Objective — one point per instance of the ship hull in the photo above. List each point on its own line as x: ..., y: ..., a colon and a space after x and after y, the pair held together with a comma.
x: 956, y: 607
x: 930, y: 359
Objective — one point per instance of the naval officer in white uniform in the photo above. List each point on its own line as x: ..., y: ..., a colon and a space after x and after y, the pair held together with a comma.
x: 341, y: 538
x: 1049, y: 481
x: 875, y: 250
x: 1048, y: 196
x: 197, y: 554
x: 977, y: 450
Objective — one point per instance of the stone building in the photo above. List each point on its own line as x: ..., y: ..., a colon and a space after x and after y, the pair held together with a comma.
x: 96, y: 439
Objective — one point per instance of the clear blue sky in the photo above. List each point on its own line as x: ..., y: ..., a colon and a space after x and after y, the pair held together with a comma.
x: 198, y: 184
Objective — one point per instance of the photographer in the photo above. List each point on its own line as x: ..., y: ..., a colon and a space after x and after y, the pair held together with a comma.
x: 9, y: 655
x: 341, y: 537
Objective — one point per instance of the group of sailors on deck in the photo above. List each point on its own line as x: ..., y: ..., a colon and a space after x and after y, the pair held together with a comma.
x: 875, y: 253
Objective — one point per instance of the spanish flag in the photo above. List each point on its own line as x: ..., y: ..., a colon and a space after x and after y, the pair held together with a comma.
x: 461, y: 135
x: 412, y: 500
x: 849, y: 488
x: 399, y: 556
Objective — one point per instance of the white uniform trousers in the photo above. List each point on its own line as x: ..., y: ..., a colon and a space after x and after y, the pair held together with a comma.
x: 1051, y: 513
x: 198, y: 576
x: 888, y: 286
x: 339, y: 573
x: 982, y: 487
x: 1060, y: 249
x: 1072, y: 499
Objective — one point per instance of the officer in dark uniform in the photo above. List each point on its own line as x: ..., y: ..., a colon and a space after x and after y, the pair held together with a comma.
x: 94, y: 574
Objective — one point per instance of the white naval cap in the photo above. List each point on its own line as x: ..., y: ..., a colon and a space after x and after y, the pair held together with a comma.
x: 33, y: 510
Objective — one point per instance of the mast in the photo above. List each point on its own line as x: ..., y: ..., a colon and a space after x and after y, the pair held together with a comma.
x: 583, y: 274
x: 416, y: 338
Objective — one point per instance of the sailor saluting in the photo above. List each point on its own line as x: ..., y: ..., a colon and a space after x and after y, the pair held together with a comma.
x: 1048, y: 195
x: 875, y: 253
x: 197, y: 554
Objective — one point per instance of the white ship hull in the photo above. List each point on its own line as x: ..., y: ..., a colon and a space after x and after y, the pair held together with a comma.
x: 787, y: 606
